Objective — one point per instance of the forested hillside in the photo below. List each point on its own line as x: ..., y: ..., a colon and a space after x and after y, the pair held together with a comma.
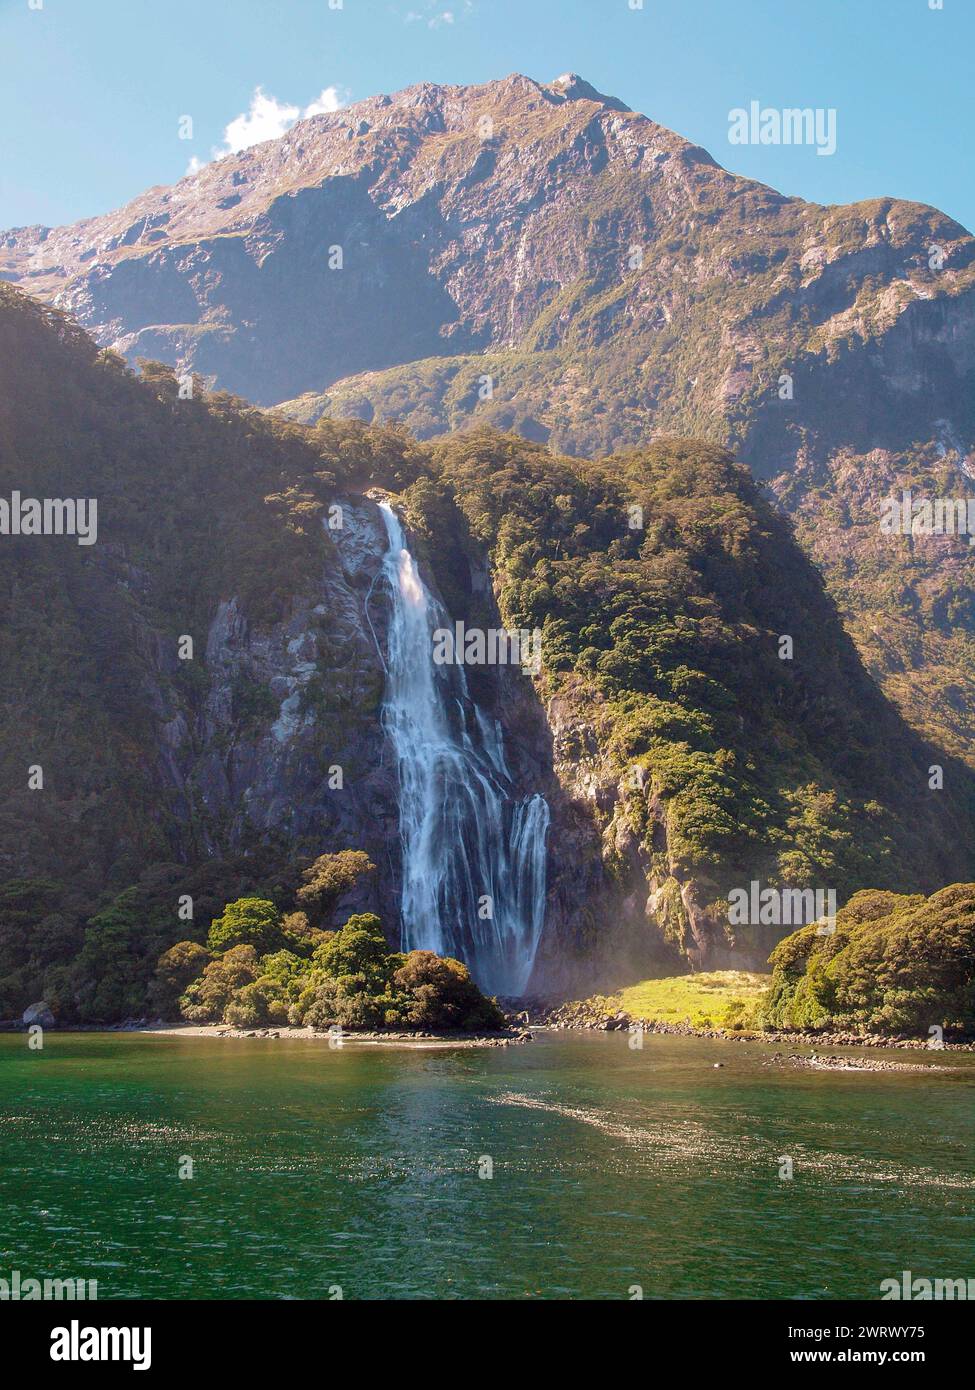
x: 680, y: 753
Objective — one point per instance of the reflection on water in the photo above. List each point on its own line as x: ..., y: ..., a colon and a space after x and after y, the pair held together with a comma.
x: 692, y: 1142
x: 315, y: 1168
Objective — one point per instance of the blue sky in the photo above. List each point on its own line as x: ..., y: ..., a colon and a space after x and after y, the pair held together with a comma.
x: 93, y: 90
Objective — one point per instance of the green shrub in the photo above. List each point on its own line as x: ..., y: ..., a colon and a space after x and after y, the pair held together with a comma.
x: 442, y: 995
x: 247, y: 1008
x: 359, y: 948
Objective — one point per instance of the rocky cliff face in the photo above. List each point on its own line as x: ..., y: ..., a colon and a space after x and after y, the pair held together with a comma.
x: 287, y: 741
x: 515, y: 217
x: 423, y: 195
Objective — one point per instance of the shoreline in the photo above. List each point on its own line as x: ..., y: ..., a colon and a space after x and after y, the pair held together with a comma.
x: 815, y: 1062
x: 520, y: 1033
x: 417, y: 1040
x: 581, y: 1019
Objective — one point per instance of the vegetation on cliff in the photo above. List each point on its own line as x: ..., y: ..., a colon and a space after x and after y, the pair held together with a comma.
x: 664, y: 586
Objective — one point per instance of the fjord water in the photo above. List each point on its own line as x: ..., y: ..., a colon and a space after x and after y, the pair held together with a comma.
x: 358, y: 1167
x: 473, y: 869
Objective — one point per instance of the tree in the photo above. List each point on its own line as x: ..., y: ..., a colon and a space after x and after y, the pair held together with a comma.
x: 114, y: 967
x: 359, y: 948
x: 207, y: 998
x: 895, y: 964
x: 298, y: 932
x: 41, y: 928
x: 443, y: 995
x: 176, y: 970
x: 327, y: 879
x: 247, y: 922
x: 248, y: 1007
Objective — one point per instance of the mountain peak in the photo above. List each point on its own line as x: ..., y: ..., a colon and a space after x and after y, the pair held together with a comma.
x: 575, y: 88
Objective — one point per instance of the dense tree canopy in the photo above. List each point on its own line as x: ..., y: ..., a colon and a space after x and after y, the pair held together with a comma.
x: 351, y: 980
x: 896, y: 964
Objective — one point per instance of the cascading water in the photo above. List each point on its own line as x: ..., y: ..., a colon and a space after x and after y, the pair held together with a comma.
x: 473, y: 855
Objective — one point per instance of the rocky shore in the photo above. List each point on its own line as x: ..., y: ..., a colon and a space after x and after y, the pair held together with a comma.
x: 515, y: 1033
x: 586, y: 1014
x: 814, y: 1062
x: 577, y: 1015
x: 339, y: 1037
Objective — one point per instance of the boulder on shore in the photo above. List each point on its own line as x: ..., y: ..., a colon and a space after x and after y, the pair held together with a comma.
x: 39, y: 1014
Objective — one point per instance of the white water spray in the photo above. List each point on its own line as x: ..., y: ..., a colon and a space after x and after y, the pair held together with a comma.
x: 473, y: 856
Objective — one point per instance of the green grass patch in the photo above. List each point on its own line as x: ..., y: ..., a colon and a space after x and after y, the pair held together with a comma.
x: 716, y: 999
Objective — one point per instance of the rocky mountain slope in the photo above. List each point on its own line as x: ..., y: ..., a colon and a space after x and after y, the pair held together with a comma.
x: 538, y: 257
x: 678, y: 753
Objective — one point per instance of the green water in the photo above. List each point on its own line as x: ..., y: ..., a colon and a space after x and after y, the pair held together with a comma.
x: 359, y: 1168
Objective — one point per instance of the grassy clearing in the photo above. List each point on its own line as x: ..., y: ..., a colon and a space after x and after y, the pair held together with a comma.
x: 715, y: 999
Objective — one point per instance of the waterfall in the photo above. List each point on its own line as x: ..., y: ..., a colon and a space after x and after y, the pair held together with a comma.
x: 467, y: 841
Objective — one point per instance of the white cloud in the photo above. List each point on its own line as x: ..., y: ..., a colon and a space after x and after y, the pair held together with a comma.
x: 194, y: 166
x: 329, y: 99
x: 266, y: 119
x: 438, y: 19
